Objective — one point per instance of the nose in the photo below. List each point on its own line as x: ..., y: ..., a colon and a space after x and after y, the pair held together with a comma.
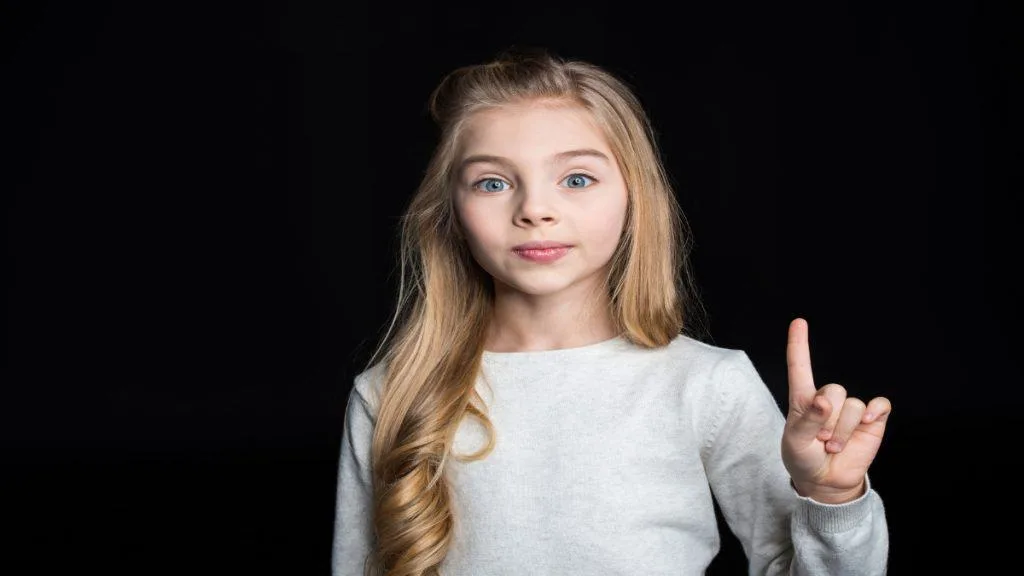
x: 535, y: 206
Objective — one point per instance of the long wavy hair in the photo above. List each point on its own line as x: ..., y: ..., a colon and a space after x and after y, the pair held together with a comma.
x: 431, y: 352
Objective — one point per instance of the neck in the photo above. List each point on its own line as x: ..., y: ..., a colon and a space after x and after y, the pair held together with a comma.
x: 574, y: 317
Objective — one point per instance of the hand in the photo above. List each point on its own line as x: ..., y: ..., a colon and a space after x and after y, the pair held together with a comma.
x: 830, y: 439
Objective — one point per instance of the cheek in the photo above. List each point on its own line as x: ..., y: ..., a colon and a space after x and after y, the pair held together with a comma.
x: 605, y: 225
x: 478, y: 225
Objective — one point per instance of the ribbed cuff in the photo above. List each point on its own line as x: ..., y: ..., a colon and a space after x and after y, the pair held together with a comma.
x: 832, y: 518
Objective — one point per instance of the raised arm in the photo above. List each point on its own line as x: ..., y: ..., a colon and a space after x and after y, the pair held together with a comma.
x: 782, y: 531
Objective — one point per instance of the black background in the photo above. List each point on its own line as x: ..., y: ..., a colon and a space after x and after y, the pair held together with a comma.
x: 201, y: 201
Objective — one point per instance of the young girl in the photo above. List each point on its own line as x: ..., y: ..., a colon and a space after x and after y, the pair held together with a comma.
x: 540, y: 409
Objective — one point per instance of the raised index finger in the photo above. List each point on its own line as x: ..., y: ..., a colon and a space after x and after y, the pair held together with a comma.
x: 798, y: 360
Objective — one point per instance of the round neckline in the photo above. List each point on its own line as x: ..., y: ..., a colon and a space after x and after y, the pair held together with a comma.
x: 555, y: 352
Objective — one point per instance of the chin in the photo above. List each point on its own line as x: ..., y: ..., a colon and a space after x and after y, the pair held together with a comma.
x: 536, y: 288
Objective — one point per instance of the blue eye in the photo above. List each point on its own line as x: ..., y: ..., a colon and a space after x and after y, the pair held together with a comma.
x: 578, y: 178
x: 488, y: 187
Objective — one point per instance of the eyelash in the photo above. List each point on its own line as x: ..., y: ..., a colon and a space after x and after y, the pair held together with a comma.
x: 584, y: 174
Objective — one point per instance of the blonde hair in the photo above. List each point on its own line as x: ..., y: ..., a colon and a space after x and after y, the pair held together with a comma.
x: 445, y: 298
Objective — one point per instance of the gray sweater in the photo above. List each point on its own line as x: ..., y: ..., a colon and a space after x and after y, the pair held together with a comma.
x: 607, y: 459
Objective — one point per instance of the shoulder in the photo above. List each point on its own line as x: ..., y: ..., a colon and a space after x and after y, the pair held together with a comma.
x: 700, y: 359
x: 722, y: 388
x: 709, y: 375
x: 367, y: 386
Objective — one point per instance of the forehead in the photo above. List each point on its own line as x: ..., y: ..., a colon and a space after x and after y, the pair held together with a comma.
x: 529, y: 131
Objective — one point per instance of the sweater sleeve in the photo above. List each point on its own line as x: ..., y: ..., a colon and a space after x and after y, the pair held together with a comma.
x: 353, y: 528
x: 781, y: 532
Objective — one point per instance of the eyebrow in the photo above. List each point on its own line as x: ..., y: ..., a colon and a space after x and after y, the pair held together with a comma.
x: 560, y: 157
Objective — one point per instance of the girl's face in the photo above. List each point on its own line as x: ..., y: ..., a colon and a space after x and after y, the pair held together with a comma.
x: 539, y: 172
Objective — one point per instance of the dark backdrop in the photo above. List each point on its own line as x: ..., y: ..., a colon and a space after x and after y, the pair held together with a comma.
x: 201, y: 206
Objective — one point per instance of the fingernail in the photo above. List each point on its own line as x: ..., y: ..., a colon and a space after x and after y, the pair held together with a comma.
x: 868, y: 417
x: 834, y: 445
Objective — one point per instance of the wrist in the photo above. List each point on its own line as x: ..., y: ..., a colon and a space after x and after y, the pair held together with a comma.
x: 828, y: 495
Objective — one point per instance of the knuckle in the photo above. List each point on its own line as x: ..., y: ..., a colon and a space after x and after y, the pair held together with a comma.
x: 834, y: 390
x: 856, y: 403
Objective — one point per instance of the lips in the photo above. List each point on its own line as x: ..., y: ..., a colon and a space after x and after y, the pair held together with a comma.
x: 543, y: 245
x: 542, y: 252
